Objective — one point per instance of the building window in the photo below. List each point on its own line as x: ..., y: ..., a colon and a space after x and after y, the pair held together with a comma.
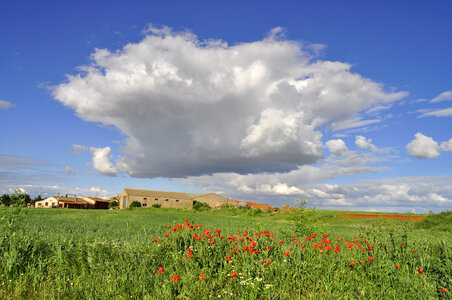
x: 47, y: 203
x: 145, y: 199
x: 177, y: 200
x: 166, y: 199
x: 156, y: 199
x: 144, y: 205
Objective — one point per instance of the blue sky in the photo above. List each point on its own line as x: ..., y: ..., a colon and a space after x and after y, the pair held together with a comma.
x: 348, y: 105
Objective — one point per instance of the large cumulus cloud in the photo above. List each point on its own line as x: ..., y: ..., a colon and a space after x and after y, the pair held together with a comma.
x: 191, y: 107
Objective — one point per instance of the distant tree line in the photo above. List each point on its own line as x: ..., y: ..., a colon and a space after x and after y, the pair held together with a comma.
x: 18, y: 197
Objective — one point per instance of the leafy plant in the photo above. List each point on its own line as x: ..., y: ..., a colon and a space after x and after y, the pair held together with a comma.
x: 135, y: 204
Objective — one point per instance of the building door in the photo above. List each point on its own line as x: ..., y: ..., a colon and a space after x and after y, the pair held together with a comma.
x: 124, y: 202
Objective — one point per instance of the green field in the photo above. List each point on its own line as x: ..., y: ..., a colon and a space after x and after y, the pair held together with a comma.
x: 92, y: 254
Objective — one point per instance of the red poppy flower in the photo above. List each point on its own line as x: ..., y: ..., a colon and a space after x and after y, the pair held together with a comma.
x: 169, y: 226
x: 189, y: 255
x: 281, y: 241
x: 398, y: 266
x: 218, y: 230
x: 228, y: 258
x: 211, y: 242
x: 287, y: 254
x: 165, y: 234
x: 444, y: 290
x: 155, y: 239
x: 313, y: 235
x: 371, y: 259
x: 325, y: 235
x: 321, y: 251
x: 361, y: 261
x: 339, y: 239
x: 175, y: 278
x: 421, y: 271
x: 269, y: 248
x: 160, y: 271
x: 352, y: 262
x: 202, y: 276
x: 263, y: 261
x: 233, y: 274
x: 186, y: 220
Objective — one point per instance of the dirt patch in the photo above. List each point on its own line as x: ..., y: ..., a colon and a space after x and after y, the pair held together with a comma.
x: 364, y: 216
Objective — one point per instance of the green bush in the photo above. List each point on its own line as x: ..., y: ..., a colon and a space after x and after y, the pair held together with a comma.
x: 113, y: 204
x: 135, y: 204
x: 200, y: 206
x: 156, y: 205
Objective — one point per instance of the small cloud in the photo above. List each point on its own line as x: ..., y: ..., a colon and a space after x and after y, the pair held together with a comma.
x: 364, y: 143
x: 445, y: 96
x: 70, y: 171
x: 101, y: 161
x: 423, y: 147
x: 78, y: 149
x: 447, y: 146
x: 5, y: 104
x: 337, y: 147
x: 352, y: 123
x: 446, y: 112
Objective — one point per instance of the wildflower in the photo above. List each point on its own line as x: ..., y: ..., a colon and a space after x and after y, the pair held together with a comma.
x: 325, y: 235
x: 189, y: 255
x: 228, y: 258
x: 233, y: 274
x: 218, y: 230
x: 211, y: 242
x: 160, y: 271
x: 202, y: 276
x: 352, y: 262
x: 281, y: 241
x: 361, y: 261
x: 339, y: 239
x: 186, y: 220
x: 398, y: 266
x: 270, y: 262
x: 165, y: 234
x: 421, y: 271
x: 371, y: 259
x: 444, y: 290
x: 194, y: 235
x: 263, y: 261
x: 269, y: 248
x: 321, y: 251
x: 287, y: 254
x: 169, y: 226
x: 175, y: 278
x: 155, y: 240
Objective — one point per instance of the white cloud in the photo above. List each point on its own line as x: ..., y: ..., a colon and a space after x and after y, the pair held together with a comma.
x: 191, y: 107
x: 352, y: 123
x: 337, y: 147
x: 445, y: 96
x: 446, y: 112
x: 423, y: 147
x: 447, y: 146
x: 364, y: 143
x: 70, y: 171
x: 101, y: 161
x: 5, y: 104
x: 78, y: 149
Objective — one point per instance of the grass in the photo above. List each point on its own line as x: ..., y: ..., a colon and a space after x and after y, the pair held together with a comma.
x: 80, y: 254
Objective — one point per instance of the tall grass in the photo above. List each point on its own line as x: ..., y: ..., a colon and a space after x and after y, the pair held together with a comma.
x: 78, y: 254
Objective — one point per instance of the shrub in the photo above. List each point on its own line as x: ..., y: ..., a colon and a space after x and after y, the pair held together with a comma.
x: 135, y: 204
x: 156, y: 205
x: 113, y: 204
x: 200, y: 206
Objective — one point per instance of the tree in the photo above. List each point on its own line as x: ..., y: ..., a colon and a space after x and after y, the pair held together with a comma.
x: 5, y: 199
x: 19, y: 198
x: 135, y: 204
x: 113, y: 204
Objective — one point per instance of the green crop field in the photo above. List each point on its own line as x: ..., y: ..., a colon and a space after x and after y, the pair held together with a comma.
x: 151, y: 253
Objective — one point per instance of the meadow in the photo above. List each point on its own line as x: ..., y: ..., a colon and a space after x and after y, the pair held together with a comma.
x: 154, y: 253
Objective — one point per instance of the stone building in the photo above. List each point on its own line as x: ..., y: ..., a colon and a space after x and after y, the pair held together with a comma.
x: 169, y: 199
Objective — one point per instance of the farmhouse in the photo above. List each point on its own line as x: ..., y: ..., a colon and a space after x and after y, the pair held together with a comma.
x: 169, y: 199
x: 238, y: 203
x: 73, y: 202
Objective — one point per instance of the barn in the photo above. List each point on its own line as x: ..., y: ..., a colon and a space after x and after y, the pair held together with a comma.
x: 169, y: 199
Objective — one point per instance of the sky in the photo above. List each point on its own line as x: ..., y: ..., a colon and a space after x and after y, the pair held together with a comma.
x: 345, y: 104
